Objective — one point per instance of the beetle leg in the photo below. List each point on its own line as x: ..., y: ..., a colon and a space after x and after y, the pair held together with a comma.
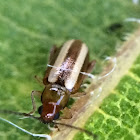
x: 66, y: 113
x: 34, y: 93
x: 51, y: 57
x: 53, y: 128
x: 52, y: 52
x: 78, y: 94
x: 91, y: 66
x: 39, y: 80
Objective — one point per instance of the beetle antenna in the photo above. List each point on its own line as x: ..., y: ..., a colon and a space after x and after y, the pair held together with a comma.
x: 77, y: 128
x: 41, y: 135
x: 18, y: 113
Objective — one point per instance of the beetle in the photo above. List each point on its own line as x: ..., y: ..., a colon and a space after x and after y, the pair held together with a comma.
x: 68, y: 67
x: 63, y: 78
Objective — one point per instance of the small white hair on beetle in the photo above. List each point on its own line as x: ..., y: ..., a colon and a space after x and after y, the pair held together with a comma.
x: 114, y: 61
x: 84, y: 73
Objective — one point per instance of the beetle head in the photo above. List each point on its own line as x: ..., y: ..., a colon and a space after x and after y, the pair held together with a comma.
x: 49, y: 112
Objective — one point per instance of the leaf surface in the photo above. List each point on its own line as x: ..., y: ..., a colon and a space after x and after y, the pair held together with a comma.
x: 28, y: 29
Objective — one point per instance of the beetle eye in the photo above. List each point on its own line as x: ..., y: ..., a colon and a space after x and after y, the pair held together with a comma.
x: 40, y: 109
x: 56, y: 116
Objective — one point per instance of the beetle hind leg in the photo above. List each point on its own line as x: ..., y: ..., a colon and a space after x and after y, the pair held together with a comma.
x: 66, y: 113
x: 91, y: 66
x: 39, y: 80
x: 78, y: 94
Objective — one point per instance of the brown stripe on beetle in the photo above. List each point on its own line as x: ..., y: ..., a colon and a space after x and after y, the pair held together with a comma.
x: 54, y: 72
x: 69, y: 62
x: 73, y: 77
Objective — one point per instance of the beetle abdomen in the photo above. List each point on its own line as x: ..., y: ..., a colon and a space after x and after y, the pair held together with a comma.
x: 68, y: 64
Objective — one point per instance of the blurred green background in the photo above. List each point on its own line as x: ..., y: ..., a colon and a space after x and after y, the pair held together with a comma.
x: 28, y: 29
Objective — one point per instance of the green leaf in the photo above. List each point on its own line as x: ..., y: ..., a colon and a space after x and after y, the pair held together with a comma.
x: 28, y: 29
x: 119, y: 115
